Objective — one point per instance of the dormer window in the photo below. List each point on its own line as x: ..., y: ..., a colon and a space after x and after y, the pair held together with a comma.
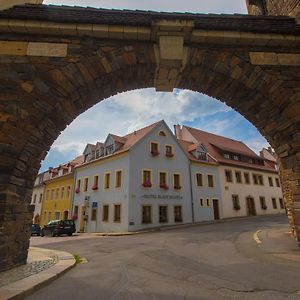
x: 235, y: 157
x: 226, y: 155
x: 86, y: 157
x: 97, y: 153
x: 202, y: 156
x: 109, y: 149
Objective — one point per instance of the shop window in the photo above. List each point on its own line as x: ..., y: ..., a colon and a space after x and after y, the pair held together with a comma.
x: 163, y: 214
x: 178, y: 214
x: 146, y: 214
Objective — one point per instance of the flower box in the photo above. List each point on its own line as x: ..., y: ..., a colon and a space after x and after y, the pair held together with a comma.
x: 95, y: 187
x: 77, y: 191
x: 154, y: 152
x: 164, y: 186
x: 168, y: 154
x: 147, y: 184
x: 177, y: 187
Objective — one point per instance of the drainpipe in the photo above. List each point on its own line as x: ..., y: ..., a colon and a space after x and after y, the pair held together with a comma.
x: 191, y: 190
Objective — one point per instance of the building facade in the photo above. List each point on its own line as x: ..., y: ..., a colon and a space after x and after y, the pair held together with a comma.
x: 249, y: 184
x: 133, y: 182
x: 58, y: 192
x: 38, y: 195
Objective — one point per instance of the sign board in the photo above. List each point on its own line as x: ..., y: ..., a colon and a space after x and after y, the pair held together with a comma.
x: 162, y: 197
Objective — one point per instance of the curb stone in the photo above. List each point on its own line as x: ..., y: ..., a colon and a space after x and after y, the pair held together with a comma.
x: 26, y: 286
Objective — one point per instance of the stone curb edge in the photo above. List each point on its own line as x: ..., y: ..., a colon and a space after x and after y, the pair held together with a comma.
x: 20, y: 289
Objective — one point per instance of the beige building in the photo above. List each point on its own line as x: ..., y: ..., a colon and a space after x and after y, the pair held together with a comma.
x: 250, y: 184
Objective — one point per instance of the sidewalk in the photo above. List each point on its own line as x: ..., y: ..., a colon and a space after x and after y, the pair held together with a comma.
x: 42, y: 266
x: 277, y: 241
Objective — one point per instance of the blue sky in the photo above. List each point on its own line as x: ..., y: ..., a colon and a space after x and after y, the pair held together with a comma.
x: 132, y: 110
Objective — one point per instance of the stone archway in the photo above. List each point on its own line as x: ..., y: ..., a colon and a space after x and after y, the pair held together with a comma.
x: 57, y: 62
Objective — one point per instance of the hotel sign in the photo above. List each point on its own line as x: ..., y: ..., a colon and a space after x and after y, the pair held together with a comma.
x: 161, y: 197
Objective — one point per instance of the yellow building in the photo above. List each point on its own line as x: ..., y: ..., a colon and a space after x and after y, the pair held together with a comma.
x: 58, y: 193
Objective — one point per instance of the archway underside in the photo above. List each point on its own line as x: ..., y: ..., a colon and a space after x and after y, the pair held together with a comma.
x: 41, y: 95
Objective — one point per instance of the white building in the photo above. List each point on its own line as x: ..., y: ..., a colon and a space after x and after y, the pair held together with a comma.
x: 250, y: 184
x: 137, y: 181
x: 38, y: 196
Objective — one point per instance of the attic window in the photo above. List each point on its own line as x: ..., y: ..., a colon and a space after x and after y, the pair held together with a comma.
x: 162, y: 133
x: 226, y: 155
x: 235, y: 157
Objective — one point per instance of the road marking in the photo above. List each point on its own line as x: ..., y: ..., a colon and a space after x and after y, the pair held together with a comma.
x: 256, y: 238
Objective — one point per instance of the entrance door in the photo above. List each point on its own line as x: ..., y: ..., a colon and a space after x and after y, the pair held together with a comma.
x: 82, y: 219
x: 216, y: 209
x: 250, y: 206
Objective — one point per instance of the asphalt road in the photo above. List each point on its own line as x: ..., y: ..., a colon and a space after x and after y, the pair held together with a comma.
x: 216, y: 261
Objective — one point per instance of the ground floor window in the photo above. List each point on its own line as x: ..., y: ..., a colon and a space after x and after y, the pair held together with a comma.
x: 57, y: 215
x: 262, y: 201
x: 274, y: 203
x: 49, y: 216
x: 105, y: 213
x: 236, y: 202
x: 163, y: 214
x: 117, y: 213
x: 94, y: 214
x: 178, y: 213
x: 281, y: 203
x: 147, y: 214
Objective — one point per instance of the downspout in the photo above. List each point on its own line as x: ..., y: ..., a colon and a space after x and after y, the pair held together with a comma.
x: 191, y: 190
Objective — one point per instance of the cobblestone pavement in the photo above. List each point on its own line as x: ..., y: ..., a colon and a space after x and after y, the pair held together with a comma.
x: 27, y: 270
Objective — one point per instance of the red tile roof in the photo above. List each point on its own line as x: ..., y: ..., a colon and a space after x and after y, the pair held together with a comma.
x: 118, y: 139
x: 216, y: 145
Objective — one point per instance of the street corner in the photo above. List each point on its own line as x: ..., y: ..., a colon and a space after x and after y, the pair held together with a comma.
x: 43, y: 266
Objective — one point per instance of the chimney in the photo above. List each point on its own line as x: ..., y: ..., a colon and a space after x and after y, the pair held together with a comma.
x: 178, y: 131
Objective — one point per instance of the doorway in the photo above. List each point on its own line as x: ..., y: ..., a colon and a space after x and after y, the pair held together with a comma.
x: 82, y: 219
x: 216, y: 209
x: 251, y: 210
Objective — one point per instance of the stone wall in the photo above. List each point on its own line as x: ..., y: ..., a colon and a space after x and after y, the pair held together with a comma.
x: 274, y: 7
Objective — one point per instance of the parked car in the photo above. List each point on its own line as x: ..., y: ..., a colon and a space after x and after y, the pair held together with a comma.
x: 58, y: 227
x: 35, y: 229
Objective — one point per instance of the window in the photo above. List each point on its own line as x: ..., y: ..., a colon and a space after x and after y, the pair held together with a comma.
x: 107, y: 181
x: 94, y: 214
x: 270, y: 181
x: 226, y: 155
x: 85, y: 184
x: 199, y: 179
x: 57, y: 215
x: 154, y: 149
x: 228, y: 175
x: 109, y: 149
x: 258, y: 179
x: 41, y: 198
x: 277, y: 182
x: 176, y: 181
x: 95, y: 183
x: 68, y: 191
x: 210, y: 180
x: 118, y: 182
x: 52, y: 194
x: 162, y: 133
x: 235, y: 157
x: 262, y: 201
x: 57, y: 193
x: 274, y: 203
x: 207, y: 202
x: 147, y: 174
x: 169, y: 151
x: 117, y: 213
x: 147, y: 214
x: 34, y: 198
x: 97, y: 153
x: 238, y: 177
x: 47, y: 195
x: 78, y: 186
x: 178, y: 213
x: 236, y: 202
x: 163, y: 180
x: 163, y: 214
x: 201, y: 203
x: 62, y: 192
x: 105, y: 213
x: 281, y: 203
x: 247, y: 178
